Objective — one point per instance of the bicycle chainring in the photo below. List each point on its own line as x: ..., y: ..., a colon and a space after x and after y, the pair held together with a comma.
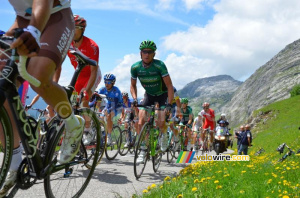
x: 24, y: 180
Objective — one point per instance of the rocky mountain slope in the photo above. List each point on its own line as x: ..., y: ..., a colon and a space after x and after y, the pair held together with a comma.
x: 217, y: 90
x: 271, y: 82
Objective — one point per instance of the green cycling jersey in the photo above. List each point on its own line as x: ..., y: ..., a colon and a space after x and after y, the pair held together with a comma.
x: 151, y: 77
x: 186, y: 114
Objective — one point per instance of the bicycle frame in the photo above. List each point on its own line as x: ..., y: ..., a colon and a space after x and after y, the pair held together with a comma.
x: 27, y: 133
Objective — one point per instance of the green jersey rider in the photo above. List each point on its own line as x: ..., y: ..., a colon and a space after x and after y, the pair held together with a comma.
x: 154, y: 77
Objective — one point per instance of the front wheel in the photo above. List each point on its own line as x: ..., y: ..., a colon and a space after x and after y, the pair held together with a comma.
x: 124, y: 140
x: 70, y: 179
x: 112, y: 149
x: 6, y: 144
x: 217, y: 148
x: 141, y: 151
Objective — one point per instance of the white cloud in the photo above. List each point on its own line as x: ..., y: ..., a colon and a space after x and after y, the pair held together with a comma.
x: 192, y: 4
x: 165, y: 5
x: 242, y: 36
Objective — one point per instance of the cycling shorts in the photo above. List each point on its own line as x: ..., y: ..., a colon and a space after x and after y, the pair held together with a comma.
x: 151, y: 100
x: 57, y: 36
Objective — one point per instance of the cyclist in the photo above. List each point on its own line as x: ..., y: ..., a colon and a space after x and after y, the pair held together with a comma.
x: 48, y: 32
x: 127, y: 115
x: 114, y: 102
x: 197, y: 126
x: 154, y: 77
x: 175, y: 112
x: 90, y: 76
x: 208, y: 120
x: 187, y: 120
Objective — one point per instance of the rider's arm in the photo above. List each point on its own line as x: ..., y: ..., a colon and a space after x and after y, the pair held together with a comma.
x: 133, y: 89
x: 92, y: 79
x: 167, y: 80
x: 34, y: 100
x: 190, y: 119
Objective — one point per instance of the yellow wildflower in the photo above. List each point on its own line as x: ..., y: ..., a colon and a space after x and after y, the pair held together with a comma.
x: 179, y: 196
x: 145, y: 191
x: 269, y: 181
x: 243, y: 171
x: 194, y: 189
x: 242, y: 191
x: 185, y: 182
x: 217, y: 181
x: 288, y: 168
x: 219, y: 187
x: 285, y: 196
x: 167, y: 178
x: 153, y: 185
x: 161, y: 186
x: 196, y: 181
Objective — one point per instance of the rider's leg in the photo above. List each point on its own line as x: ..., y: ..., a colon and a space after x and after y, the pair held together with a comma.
x: 161, y: 123
x: 142, y: 120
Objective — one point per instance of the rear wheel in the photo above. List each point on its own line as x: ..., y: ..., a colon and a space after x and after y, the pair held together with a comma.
x: 6, y: 144
x: 142, y: 146
x: 112, y: 149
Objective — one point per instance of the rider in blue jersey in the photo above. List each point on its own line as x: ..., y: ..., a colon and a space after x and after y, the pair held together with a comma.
x: 114, y: 102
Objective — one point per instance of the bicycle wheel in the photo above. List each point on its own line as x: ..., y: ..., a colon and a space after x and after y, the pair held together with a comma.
x: 6, y: 144
x: 142, y: 146
x: 156, y: 160
x: 93, y: 137
x: 112, y: 150
x: 124, y: 139
x: 70, y: 179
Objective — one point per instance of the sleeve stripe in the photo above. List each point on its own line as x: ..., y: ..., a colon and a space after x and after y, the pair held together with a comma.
x: 165, y: 75
x: 133, y: 78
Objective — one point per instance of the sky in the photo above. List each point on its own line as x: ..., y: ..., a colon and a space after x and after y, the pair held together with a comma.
x: 195, y: 38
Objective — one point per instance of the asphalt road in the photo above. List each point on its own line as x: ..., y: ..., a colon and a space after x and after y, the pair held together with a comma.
x: 116, y: 178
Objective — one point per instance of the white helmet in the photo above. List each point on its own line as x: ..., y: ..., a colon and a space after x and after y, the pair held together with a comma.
x: 223, y: 115
x: 199, y: 114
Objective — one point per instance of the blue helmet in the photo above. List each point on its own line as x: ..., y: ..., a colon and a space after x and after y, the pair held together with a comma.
x: 110, y: 77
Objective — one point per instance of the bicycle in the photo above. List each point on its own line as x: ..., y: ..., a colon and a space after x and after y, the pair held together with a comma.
x: 112, y: 149
x: 290, y: 152
x: 182, y: 143
x: 149, y: 143
x: 261, y: 150
x: 36, y: 165
x: 207, y: 144
x: 128, y: 135
x: 198, y: 141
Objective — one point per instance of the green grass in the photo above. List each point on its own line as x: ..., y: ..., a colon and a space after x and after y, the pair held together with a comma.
x: 262, y: 176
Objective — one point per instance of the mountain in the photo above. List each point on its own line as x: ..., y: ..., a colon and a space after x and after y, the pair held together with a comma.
x: 270, y: 83
x: 217, y: 90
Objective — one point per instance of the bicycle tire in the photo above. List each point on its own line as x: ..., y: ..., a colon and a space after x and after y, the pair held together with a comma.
x: 140, y: 167
x: 97, y: 136
x: 112, y: 150
x: 61, y: 183
x: 124, y: 135
x: 6, y: 149
x: 156, y: 161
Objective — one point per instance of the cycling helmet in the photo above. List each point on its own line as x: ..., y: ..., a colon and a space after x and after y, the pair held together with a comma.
x: 124, y: 93
x: 148, y: 44
x: 199, y: 114
x: 206, y: 104
x: 110, y: 77
x: 223, y: 115
x: 184, y: 101
x: 79, y: 21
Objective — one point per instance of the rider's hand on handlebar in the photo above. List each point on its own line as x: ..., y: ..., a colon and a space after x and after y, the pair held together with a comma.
x: 27, y: 107
x: 28, y: 44
x: 135, y: 102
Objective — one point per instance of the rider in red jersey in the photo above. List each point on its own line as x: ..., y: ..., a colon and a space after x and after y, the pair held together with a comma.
x: 90, y: 76
x: 209, y: 121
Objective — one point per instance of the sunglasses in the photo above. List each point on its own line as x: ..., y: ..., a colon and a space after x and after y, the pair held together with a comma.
x: 108, y: 82
x: 78, y: 27
x: 147, y: 52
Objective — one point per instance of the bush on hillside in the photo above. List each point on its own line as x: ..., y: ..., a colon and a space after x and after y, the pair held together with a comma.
x: 295, y: 90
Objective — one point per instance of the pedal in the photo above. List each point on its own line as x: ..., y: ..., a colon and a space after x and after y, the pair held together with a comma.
x: 68, y: 173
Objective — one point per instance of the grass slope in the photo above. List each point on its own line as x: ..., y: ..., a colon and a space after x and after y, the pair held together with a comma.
x: 262, y: 176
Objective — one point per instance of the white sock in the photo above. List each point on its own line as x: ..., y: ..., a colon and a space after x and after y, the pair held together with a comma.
x: 71, y: 122
x: 16, y: 159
